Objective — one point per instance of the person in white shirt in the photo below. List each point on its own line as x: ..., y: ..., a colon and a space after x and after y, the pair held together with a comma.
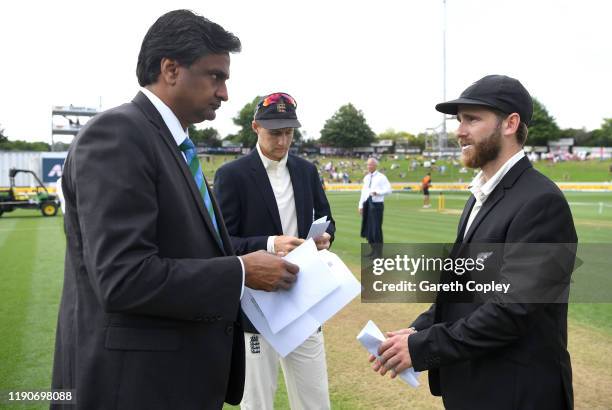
x: 371, y: 205
x: 60, y: 194
x: 150, y: 305
x: 269, y: 199
x: 503, y: 353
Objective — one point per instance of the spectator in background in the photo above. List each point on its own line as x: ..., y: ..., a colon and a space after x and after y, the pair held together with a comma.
x: 371, y: 206
x: 425, y: 184
x: 60, y: 194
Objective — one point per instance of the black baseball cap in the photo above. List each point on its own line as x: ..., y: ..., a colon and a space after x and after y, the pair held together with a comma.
x: 277, y: 110
x: 501, y: 92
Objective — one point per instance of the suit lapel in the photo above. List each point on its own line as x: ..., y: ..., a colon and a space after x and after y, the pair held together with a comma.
x: 260, y: 177
x: 227, y: 243
x: 155, y: 118
x: 464, y: 218
x: 492, y: 200
x: 298, y: 195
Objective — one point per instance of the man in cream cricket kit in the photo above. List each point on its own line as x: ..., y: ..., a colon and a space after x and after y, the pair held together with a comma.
x: 371, y: 205
x: 269, y: 199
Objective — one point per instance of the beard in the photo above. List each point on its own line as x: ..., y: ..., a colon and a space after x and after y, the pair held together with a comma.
x: 484, y: 151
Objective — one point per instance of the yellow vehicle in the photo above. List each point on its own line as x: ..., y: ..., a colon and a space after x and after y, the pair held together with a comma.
x: 27, y: 198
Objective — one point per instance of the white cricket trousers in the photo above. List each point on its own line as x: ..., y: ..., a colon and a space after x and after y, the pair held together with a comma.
x: 305, y: 372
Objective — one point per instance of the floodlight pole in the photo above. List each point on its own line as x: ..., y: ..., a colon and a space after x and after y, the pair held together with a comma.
x: 52, y: 142
x: 443, y: 137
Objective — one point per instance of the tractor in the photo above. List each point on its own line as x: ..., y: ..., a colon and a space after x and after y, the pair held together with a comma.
x: 34, y: 198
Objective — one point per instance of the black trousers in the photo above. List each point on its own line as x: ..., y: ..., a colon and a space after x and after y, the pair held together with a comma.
x: 374, y: 222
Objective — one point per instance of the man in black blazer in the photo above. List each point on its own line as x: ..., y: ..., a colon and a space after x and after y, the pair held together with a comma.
x: 151, y: 298
x: 269, y: 200
x: 497, y: 354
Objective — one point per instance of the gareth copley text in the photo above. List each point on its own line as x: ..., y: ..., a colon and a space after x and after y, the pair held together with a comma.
x: 427, y: 286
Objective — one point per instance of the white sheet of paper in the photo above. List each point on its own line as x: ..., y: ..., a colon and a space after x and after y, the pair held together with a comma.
x: 349, y: 288
x: 286, y: 340
x: 320, y: 220
x: 318, y: 227
x: 371, y: 337
x: 315, y: 281
x: 295, y: 333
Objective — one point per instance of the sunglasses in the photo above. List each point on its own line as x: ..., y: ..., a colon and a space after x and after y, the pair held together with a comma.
x: 274, y: 98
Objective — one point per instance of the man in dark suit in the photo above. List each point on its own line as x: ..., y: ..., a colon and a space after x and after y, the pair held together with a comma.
x: 497, y: 354
x: 151, y: 299
x: 269, y: 200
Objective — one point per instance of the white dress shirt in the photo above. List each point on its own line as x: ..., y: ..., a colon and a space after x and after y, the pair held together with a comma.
x: 179, y: 134
x: 280, y: 179
x: 374, y: 182
x: 481, y: 189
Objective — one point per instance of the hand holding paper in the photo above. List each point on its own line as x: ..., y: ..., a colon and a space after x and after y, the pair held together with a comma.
x: 396, y: 357
x: 323, y: 242
x: 315, y: 281
x: 285, y: 340
x: 268, y: 272
x: 393, y: 354
x: 318, y: 228
x: 283, y: 244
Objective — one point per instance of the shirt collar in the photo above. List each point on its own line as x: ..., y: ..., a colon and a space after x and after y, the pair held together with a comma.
x: 174, y: 125
x: 270, y: 163
x: 481, y: 190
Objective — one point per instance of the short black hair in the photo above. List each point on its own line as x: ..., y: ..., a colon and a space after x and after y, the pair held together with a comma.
x: 183, y: 36
x: 521, y: 132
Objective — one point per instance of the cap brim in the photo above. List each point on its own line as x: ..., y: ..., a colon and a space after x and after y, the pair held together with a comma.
x: 450, y: 107
x: 280, y: 123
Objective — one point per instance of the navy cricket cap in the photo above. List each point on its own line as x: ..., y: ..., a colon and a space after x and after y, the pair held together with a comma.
x: 277, y: 110
x: 501, y: 92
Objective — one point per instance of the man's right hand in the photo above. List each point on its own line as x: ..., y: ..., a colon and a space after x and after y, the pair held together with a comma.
x: 266, y: 271
x: 360, y: 211
x: 284, y: 244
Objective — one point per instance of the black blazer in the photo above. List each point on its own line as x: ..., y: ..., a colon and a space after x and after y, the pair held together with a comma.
x: 249, y: 207
x: 151, y: 296
x: 497, y: 355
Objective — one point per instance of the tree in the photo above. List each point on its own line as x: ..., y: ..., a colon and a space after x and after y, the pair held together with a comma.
x: 602, y: 137
x: 543, y: 127
x: 309, y: 144
x: 347, y: 128
x: 2, y: 137
x: 391, y: 134
x: 402, y: 139
x: 19, y: 145
x: 582, y: 137
x: 207, y: 136
x: 59, y: 146
x: 246, y: 136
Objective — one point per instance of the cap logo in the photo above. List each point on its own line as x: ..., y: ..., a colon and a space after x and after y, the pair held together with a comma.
x: 280, y: 107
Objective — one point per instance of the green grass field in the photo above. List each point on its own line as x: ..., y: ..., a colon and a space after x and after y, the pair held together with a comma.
x: 32, y: 254
x: 570, y: 171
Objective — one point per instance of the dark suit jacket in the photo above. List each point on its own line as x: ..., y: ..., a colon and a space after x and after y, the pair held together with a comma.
x: 497, y: 355
x: 151, y: 298
x: 249, y: 207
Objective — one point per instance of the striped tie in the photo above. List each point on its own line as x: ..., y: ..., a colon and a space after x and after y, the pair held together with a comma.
x: 195, y: 167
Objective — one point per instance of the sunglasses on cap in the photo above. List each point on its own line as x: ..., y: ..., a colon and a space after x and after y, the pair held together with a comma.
x: 274, y: 98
